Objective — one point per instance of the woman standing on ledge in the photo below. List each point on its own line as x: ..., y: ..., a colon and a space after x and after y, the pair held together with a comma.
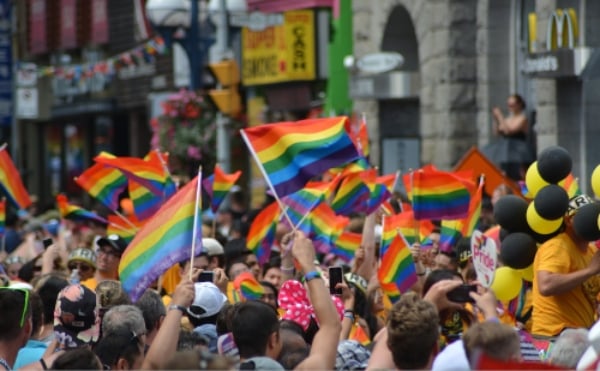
x: 515, y: 125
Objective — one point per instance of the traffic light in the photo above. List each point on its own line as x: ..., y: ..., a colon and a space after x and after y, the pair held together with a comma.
x: 226, y: 97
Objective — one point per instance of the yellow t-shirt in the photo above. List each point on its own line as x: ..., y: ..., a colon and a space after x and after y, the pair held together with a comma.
x: 90, y: 283
x: 575, y: 308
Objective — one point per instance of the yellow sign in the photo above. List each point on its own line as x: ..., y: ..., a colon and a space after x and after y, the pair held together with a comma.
x: 258, y: 186
x: 280, y: 53
x: 562, y: 30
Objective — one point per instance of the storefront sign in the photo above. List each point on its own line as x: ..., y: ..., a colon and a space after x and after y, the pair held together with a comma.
x: 280, y: 53
x: 27, y: 103
x: 559, y: 63
x: 38, y: 42
x: 68, y: 24
x: 380, y: 62
x: 99, y: 22
x: 256, y: 21
x: 562, y: 30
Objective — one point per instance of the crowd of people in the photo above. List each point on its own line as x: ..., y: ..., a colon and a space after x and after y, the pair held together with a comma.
x: 63, y: 307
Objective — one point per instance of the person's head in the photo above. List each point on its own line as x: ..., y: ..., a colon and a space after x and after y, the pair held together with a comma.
x: 12, y: 265
x: 270, y: 294
x: 48, y: 287
x: 153, y: 310
x: 189, y: 340
x: 224, y: 319
x: 84, y: 260
x: 124, y: 318
x: 446, y: 260
x: 255, y: 328
x: 413, y: 332
x: 237, y: 267
x: 208, y: 301
x: 77, y: 359
x: 499, y: 192
x: 569, y: 347
x: 37, y: 314
x: 515, y: 103
x: 199, y: 262
x: 75, y: 317
x: 108, y: 255
x: 110, y: 293
x: 437, y: 276
x: 31, y: 270
x: 198, y: 360
x: 252, y: 263
x: 15, y: 321
x: 214, y: 252
x: 272, y: 274
x: 122, y: 350
x: 494, y: 340
x: 294, y: 348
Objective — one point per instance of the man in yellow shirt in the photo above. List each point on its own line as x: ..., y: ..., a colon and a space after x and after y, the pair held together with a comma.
x: 565, y: 283
x: 108, y: 256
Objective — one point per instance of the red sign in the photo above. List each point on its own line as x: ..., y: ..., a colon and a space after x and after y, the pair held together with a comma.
x: 38, y: 38
x: 68, y: 24
x: 99, y: 22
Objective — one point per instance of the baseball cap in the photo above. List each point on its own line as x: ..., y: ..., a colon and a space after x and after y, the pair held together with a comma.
x: 208, y: 300
x: 114, y: 241
x: 84, y: 255
x: 590, y: 357
x: 75, y: 320
x: 577, y: 202
x: 212, y: 247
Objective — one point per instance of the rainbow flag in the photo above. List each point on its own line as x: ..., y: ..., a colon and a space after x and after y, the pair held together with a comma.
x: 218, y: 185
x: 354, y: 193
x: 346, y: 245
x: 358, y: 334
x: 103, y: 183
x: 261, y: 235
x: 439, y: 195
x: 323, y: 227
x: 248, y: 286
x: 391, y: 291
x: 359, y: 136
x: 76, y: 213
x: 397, y: 266
x: 149, y: 174
x: 303, y: 202
x: 165, y: 240
x: 125, y: 230
x: 292, y: 153
x: 2, y: 217
x: 158, y: 158
x: 11, y: 183
x: 379, y: 195
x: 145, y: 203
x: 405, y: 224
x: 571, y: 185
x: 469, y: 224
x: 450, y: 233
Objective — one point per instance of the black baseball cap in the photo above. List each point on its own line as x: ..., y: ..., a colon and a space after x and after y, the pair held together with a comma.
x: 114, y: 241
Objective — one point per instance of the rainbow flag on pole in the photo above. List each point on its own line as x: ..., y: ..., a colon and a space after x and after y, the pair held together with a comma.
x: 397, y: 265
x: 125, y: 230
x: 76, y: 213
x: 10, y: 181
x: 218, y: 185
x: 165, y: 240
x: 149, y: 174
x: 145, y: 203
x: 2, y: 218
x: 405, y: 224
x: 354, y: 193
x: 261, y: 235
x: 438, y: 195
x: 346, y: 245
x: 292, y: 153
x: 103, y: 183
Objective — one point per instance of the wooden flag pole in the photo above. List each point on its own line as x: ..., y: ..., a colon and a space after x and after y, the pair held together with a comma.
x: 196, y: 217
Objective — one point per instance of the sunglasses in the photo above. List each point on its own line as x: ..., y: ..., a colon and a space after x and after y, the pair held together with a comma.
x: 82, y: 267
x: 25, y: 304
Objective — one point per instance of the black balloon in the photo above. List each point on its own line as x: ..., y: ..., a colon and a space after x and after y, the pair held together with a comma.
x: 551, y: 202
x: 510, y: 212
x: 554, y: 164
x: 503, y: 234
x: 518, y: 250
x: 585, y: 222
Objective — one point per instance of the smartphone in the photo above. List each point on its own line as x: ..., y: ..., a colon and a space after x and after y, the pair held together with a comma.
x: 47, y: 242
x: 206, y: 276
x: 461, y: 294
x: 335, y: 277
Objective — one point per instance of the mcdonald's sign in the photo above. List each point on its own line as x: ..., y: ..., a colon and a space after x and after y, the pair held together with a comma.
x: 562, y: 30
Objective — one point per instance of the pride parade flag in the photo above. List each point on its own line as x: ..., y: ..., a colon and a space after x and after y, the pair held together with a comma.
x: 397, y: 266
x: 438, y: 195
x: 103, y: 183
x: 10, y: 181
x: 218, y: 185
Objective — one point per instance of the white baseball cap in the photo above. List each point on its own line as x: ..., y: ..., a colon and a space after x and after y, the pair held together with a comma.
x: 212, y: 247
x: 208, y: 300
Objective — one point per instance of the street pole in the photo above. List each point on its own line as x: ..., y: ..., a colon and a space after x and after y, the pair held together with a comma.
x: 222, y: 52
x: 193, y: 47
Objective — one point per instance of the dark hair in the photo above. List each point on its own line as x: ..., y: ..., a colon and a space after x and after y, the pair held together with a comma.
x: 37, y: 312
x: 27, y: 270
x: 188, y: 340
x: 119, y: 344
x: 77, y: 359
x: 438, y: 275
x: 252, y: 324
x: 224, y: 319
x: 48, y: 291
x: 152, y: 308
x: 12, y: 303
x: 520, y: 100
x: 272, y: 287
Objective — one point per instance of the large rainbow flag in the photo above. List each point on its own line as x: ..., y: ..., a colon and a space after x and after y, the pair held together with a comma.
x: 292, y: 153
x: 10, y: 181
x: 397, y: 266
x: 218, y: 185
x: 438, y: 195
x: 103, y: 183
x: 165, y: 240
x: 76, y: 213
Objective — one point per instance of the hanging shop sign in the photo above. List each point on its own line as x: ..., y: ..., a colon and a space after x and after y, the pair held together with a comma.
x: 280, y: 53
x: 562, y: 31
x: 380, y: 62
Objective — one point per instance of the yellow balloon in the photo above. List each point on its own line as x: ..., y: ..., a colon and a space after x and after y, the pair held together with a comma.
x: 527, y: 273
x: 534, y: 180
x: 596, y: 181
x: 539, y: 224
x: 507, y: 283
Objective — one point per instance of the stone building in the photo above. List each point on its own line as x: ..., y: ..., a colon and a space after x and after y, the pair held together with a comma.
x: 467, y: 56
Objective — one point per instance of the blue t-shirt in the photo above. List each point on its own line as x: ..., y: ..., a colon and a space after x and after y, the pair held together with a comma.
x: 31, y: 352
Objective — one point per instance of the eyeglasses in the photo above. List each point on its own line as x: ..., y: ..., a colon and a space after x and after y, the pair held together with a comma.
x: 109, y: 252
x: 82, y: 267
x: 25, y: 304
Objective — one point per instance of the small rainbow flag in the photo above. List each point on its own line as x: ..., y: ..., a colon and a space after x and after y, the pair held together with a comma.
x: 406, y: 224
x: 571, y: 185
x: 469, y: 224
x: 10, y: 181
x: 125, y: 230
x: 2, y: 217
x: 359, y: 136
x: 354, y: 192
x: 379, y: 195
x: 439, y: 195
x: 325, y: 227
x: 450, y: 233
x: 149, y: 174
x: 76, y: 213
x: 145, y: 203
x: 397, y: 266
x: 303, y: 202
x: 346, y: 245
x: 218, y: 185
x: 391, y: 291
x: 261, y: 235
x: 358, y: 334
x: 103, y: 183
x: 292, y: 153
x: 248, y: 286
x: 165, y: 240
